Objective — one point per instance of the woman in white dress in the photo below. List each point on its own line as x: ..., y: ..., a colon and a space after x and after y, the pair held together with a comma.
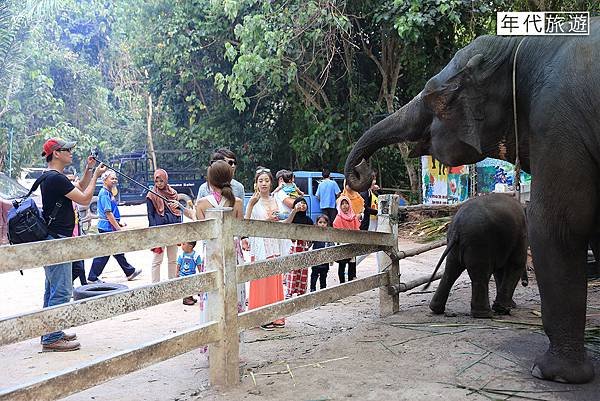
x: 263, y: 206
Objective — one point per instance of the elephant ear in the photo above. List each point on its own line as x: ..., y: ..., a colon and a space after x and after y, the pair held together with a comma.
x: 462, y: 86
x: 473, y: 98
x: 439, y: 99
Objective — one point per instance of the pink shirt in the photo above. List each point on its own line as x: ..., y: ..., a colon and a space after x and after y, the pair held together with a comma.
x: 5, y: 206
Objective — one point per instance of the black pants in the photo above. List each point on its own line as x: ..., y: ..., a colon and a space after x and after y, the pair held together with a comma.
x: 99, y: 263
x: 79, y: 271
x: 318, y: 272
x: 330, y: 212
x: 342, y: 270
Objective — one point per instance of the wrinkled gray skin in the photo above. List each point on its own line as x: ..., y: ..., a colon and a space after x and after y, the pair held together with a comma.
x: 487, y: 236
x: 465, y: 114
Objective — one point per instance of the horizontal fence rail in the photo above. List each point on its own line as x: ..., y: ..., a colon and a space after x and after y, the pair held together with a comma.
x: 282, y: 264
x: 79, y: 378
x: 438, y: 208
x: 258, y: 316
x: 222, y: 332
x: 35, y: 254
x: 258, y: 228
x: 59, y: 317
x: 421, y: 249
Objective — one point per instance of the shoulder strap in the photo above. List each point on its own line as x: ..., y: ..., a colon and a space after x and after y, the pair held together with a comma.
x: 38, y: 182
x: 57, y: 205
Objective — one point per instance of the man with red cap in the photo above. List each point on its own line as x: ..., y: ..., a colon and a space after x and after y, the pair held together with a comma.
x: 58, y: 193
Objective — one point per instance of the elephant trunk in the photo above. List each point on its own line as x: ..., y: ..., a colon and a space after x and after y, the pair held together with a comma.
x: 407, y: 124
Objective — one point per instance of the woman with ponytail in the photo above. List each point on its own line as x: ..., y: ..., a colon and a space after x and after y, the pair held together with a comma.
x: 219, y: 177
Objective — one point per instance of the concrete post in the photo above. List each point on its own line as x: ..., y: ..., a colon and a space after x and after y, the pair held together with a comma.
x: 220, y: 251
x: 387, y: 222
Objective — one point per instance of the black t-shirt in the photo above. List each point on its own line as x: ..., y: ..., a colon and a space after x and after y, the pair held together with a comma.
x: 54, y: 188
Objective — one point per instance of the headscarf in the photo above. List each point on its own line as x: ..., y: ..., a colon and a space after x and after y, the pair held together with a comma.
x: 168, y: 192
x: 357, y: 203
x: 301, y: 217
x: 348, y: 220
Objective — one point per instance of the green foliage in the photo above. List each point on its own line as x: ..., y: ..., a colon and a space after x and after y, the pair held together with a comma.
x: 286, y: 84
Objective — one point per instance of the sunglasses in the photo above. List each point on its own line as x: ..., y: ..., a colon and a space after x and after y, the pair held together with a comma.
x: 230, y: 162
x: 263, y: 170
x: 70, y: 150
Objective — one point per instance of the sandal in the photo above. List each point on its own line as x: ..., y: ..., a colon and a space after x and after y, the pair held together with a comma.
x: 267, y: 327
x: 278, y: 325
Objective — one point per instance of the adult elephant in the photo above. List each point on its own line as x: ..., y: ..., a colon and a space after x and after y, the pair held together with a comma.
x: 465, y: 113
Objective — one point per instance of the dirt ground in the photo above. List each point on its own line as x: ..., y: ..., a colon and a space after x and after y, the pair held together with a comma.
x: 340, y: 351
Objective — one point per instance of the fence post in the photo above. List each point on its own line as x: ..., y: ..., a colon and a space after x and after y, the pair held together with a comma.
x: 387, y: 222
x: 220, y: 256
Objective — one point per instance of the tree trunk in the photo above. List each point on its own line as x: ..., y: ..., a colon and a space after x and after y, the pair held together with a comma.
x: 150, y: 139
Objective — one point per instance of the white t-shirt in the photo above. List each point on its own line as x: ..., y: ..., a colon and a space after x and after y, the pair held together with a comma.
x: 279, y: 197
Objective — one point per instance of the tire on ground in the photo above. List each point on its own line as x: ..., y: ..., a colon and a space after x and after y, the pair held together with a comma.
x: 184, y: 199
x: 96, y: 289
x: 93, y: 207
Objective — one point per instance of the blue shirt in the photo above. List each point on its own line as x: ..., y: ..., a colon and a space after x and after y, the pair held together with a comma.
x: 107, y: 203
x: 326, y: 192
x: 188, y: 263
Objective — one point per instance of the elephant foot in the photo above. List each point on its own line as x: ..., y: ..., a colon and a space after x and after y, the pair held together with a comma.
x: 482, y: 313
x: 501, y: 309
x: 550, y: 366
x: 436, y: 308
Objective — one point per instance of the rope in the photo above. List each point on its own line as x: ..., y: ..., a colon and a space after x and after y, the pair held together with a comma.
x: 514, y: 95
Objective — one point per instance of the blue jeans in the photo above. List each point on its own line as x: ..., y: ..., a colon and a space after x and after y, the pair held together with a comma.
x: 58, y: 290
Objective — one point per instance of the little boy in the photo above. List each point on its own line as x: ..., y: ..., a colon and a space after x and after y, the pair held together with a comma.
x: 289, y: 186
x: 188, y: 263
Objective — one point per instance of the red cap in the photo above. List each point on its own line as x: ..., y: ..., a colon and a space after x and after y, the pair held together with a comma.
x: 53, y: 144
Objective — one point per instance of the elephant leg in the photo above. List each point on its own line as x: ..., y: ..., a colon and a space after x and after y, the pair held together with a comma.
x: 512, y: 272
x: 452, y: 272
x: 498, y: 278
x: 480, y: 296
x: 558, y: 231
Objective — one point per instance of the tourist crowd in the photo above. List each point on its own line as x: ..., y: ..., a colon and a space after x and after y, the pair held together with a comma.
x: 276, y: 198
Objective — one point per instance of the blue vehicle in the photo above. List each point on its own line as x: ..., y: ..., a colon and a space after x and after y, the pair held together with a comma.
x: 308, y: 182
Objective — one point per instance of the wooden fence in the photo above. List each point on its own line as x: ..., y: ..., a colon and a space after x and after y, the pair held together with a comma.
x: 222, y: 332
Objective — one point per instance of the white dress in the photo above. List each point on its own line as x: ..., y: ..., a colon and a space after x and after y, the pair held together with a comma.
x: 241, y: 288
x: 263, y: 248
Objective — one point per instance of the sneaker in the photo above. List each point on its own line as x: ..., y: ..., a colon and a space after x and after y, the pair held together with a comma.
x: 134, y: 274
x: 97, y: 281
x: 61, y: 345
x: 70, y: 337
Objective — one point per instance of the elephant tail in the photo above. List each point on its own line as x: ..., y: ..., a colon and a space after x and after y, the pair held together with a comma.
x: 524, y: 278
x: 448, y: 248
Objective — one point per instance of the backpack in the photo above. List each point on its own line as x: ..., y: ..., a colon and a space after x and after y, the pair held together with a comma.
x: 25, y: 222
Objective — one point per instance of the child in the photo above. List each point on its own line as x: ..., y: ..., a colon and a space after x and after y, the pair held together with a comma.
x: 320, y: 271
x: 296, y: 280
x: 346, y: 219
x: 187, y: 264
x: 289, y: 186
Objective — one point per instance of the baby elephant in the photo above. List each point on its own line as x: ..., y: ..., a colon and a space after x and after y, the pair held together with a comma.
x: 488, y: 235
